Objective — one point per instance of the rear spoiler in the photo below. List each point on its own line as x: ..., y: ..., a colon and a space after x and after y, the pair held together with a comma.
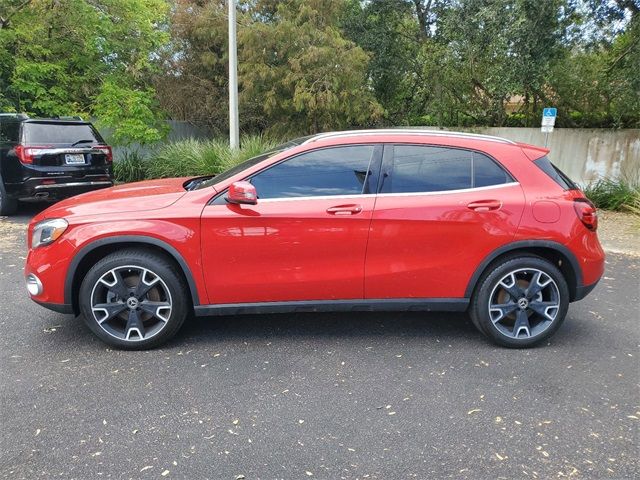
x: 532, y: 152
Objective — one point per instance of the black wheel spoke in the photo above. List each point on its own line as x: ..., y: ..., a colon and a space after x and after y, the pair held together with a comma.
x: 110, y: 309
x: 512, y: 287
x: 502, y: 310
x: 155, y: 309
x: 521, y: 327
x: 541, y: 308
x: 134, y: 325
x: 535, y: 286
x: 143, y: 288
x: 119, y: 288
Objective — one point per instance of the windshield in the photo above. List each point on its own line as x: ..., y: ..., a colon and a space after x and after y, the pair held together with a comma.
x: 251, y: 162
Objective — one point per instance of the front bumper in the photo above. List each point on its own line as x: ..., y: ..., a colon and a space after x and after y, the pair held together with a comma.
x: 56, y: 307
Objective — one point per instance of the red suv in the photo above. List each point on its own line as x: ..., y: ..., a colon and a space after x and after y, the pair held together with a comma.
x: 346, y: 221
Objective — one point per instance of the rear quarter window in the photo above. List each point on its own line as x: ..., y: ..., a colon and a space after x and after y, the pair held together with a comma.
x: 9, y: 132
x: 555, y: 173
x: 59, y: 134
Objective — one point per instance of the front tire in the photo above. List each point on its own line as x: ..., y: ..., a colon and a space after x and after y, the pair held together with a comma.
x: 520, y: 302
x: 134, y: 300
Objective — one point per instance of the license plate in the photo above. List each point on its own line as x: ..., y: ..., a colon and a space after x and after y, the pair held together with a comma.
x: 73, y: 158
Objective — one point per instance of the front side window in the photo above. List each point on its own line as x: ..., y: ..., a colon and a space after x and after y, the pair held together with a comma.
x: 329, y: 171
x: 439, y: 169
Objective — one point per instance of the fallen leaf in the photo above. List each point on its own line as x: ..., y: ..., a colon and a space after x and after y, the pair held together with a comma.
x: 165, y: 473
x: 146, y: 468
x: 474, y: 411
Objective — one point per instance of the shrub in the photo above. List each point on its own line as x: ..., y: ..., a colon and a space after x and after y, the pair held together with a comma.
x: 131, y: 168
x: 190, y: 158
x: 611, y: 194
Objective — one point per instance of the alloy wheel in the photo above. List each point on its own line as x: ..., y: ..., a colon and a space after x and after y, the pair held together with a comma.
x: 131, y: 303
x: 524, y: 303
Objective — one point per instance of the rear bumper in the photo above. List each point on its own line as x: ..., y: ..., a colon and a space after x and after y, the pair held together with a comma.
x: 59, y: 187
x: 584, y: 290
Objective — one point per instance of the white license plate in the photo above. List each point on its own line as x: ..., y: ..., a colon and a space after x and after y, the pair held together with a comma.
x: 73, y: 158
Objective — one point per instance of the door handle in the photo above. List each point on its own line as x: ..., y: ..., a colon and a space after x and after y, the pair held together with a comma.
x: 344, y: 210
x: 485, y: 205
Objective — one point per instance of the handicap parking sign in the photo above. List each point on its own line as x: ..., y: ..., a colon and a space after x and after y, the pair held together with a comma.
x: 550, y: 112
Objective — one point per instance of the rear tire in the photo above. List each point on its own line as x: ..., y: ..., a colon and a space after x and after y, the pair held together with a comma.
x: 134, y: 300
x: 520, y: 301
x: 8, y: 205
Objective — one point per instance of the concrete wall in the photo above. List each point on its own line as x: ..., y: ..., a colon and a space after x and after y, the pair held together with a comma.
x: 585, y: 154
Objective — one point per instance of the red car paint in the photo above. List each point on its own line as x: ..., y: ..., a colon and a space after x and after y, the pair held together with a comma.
x: 353, y: 247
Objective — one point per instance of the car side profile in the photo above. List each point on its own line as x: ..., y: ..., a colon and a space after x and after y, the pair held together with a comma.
x: 345, y: 221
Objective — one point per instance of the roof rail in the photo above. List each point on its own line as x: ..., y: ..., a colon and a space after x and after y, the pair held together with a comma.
x: 407, y: 131
x: 19, y: 116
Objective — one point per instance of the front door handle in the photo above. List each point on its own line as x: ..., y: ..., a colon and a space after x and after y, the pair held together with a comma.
x: 350, y: 209
x: 485, y: 205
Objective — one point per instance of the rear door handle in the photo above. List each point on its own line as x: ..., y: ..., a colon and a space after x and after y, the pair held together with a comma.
x: 350, y: 209
x: 485, y: 205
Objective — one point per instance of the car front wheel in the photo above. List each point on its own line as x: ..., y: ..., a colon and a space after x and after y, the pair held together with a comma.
x: 133, y: 299
x: 520, y: 302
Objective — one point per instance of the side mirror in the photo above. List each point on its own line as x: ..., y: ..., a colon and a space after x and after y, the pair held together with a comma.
x: 242, y: 192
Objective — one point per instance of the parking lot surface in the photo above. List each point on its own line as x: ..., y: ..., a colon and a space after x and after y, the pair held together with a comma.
x: 332, y: 396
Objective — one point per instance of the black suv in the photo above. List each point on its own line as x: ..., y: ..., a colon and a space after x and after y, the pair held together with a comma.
x: 50, y: 159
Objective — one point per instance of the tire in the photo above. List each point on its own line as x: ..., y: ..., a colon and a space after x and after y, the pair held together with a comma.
x: 134, y: 300
x: 8, y: 205
x: 520, y: 301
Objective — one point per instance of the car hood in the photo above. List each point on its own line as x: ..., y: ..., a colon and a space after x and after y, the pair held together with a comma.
x: 129, y: 197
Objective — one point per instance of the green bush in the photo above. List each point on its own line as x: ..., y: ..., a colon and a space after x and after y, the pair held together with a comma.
x: 190, y: 158
x: 131, y: 168
x: 611, y: 194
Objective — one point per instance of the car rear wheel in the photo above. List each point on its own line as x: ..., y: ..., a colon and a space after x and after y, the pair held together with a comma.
x: 8, y: 206
x: 521, y: 301
x: 133, y: 300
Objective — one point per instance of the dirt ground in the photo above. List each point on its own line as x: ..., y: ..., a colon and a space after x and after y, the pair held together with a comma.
x: 619, y: 232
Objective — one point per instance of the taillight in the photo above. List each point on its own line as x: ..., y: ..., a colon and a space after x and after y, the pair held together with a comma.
x: 106, y: 149
x: 586, y: 212
x: 26, y: 154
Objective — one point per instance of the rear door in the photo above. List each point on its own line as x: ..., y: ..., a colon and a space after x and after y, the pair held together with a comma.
x: 440, y: 211
x: 306, y: 237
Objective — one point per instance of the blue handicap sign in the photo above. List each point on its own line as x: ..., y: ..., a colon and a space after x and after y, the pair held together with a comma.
x: 550, y: 112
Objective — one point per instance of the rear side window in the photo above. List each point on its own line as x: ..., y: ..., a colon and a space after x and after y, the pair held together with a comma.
x: 555, y: 173
x: 9, y: 131
x: 440, y: 169
x: 60, y: 134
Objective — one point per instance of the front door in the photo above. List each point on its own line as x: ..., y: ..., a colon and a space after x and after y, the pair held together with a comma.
x: 306, y: 237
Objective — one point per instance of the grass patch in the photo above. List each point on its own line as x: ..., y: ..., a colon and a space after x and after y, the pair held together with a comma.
x: 188, y: 158
x: 615, y: 195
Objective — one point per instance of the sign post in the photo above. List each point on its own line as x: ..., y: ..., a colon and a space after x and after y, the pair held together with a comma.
x: 234, y: 136
x: 548, y: 121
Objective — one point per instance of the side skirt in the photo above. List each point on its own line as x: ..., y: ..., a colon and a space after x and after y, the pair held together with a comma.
x: 374, y: 305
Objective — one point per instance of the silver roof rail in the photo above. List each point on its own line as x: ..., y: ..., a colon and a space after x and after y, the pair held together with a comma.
x: 407, y: 131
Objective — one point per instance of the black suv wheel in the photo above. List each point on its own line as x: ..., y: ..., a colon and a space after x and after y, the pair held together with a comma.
x: 8, y: 206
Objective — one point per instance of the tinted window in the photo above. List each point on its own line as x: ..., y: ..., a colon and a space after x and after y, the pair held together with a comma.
x: 61, y: 133
x: 329, y: 171
x: 429, y: 169
x: 9, y: 131
x: 555, y: 173
x: 486, y: 172
x: 438, y: 169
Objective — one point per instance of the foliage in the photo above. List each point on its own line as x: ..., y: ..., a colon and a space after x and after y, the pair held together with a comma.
x: 131, y: 168
x: 613, y: 194
x: 189, y: 158
x: 60, y: 57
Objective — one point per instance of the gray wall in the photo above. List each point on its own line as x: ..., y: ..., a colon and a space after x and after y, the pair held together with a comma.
x: 584, y: 154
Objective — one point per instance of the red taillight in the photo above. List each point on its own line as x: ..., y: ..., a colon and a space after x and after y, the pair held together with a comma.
x: 586, y: 212
x: 26, y: 154
x: 106, y: 149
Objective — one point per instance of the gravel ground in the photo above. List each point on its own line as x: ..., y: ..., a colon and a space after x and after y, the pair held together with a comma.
x: 330, y: 396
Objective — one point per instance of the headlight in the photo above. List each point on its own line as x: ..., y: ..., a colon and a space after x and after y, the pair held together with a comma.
x: 48, y: 231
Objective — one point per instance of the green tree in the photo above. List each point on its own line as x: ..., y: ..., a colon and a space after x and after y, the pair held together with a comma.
x: 65, y: 57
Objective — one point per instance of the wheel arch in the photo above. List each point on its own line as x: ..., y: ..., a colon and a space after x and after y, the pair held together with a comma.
x: 91, y: 253
x: 555, y: 252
